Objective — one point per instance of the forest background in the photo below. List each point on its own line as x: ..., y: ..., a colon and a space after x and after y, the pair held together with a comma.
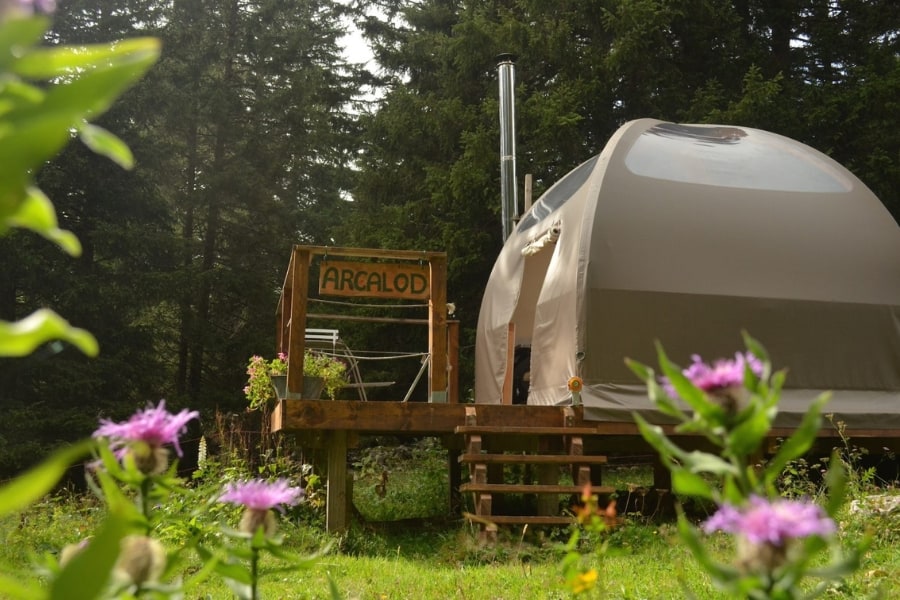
x: 254, y: 133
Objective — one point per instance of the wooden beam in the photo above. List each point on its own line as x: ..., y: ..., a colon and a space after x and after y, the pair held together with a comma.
x: 337, y: 317
x: 406, y: 417
x: 421, y: 418
x: 533, y: 459
x: 453, y: 360
x: 527, y: 430
x: 336, y: 495
x: 523, y: 488
x: 437, y: 329
x: 371, y: 252
x: 297, y: 330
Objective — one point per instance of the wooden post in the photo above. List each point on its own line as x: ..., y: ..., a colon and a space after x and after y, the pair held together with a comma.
x: 336, y: 495
x: 299, y: 276
x: 547, y: 504
x: 453, y: 358
x: 437, y: 330
x: 455, y: 480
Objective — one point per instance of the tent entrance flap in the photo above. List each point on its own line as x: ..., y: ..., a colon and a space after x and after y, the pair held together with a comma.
x: 518, y: 365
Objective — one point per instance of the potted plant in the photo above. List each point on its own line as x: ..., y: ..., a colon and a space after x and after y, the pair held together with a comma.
x: 267, y: 379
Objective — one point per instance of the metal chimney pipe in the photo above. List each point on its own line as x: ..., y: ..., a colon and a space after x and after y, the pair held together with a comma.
x: 506, y: 71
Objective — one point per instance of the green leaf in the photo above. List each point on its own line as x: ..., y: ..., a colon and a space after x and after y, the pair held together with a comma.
x: 36, y: 212
x: 687, y: 391
x: 16, y: 34
x: 748, y: 435
x: 643, y: 372
x: 656, y: 438
x: 22, y: 337
x: 691, y: 484
x: 47, y: 63
x: 234, y: 572
x: 332, y: 589
x: 91, y: 92
x: 102, y: 142
x: 755, y: 347
x: 662, y: 401
x: 689, y: 535
x: 703, y: 462
x: 39, y: 480
x: 800, y: 441
x: 14, y: 589
x: 836, y: 480
x: 97, y: 560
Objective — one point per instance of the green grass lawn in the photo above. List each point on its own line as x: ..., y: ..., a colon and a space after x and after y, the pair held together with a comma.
x: 402, y: 544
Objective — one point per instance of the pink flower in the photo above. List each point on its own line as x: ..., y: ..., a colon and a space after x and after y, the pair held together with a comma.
x: 261, y: 495
x: 771, y: 522
x: 153, y: 426
x: 723, y: 374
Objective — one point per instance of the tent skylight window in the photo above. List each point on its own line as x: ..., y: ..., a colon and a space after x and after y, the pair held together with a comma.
x: 731, y: 157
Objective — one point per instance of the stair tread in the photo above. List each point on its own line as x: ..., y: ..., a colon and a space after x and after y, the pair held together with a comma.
x: 525, y: 430
x: 522, y: 519
x: 517, y: 488
x: 533, y: 459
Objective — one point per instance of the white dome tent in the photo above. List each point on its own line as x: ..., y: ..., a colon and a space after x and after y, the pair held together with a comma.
x: 689, y: 234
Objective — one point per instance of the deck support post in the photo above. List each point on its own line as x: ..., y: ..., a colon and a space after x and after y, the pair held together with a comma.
x: 547, y: 504
x: 337, y: 498
x: 455, y: 480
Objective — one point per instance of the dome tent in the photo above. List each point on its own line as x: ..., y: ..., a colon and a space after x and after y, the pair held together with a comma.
x: 689, y: 234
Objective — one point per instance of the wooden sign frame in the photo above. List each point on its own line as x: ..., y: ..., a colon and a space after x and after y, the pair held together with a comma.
x: 356, y: 279
x: 292, y: 311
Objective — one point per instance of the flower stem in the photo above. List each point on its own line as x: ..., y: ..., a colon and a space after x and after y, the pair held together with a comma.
x: 254, y: 572
x: 145, y: 502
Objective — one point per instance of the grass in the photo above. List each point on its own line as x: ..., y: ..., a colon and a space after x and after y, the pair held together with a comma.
x: 402, y: 544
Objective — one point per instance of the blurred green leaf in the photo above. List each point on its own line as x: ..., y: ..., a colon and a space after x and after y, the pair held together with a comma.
x: 31, y: 486
x: 687, y: 391
x: 643, y: 372
x: 91, y: 92
x: 37, y: 213
x: 800, y: 441
x: 691, y: 484
x: 97, y: 559
x: 104, y: 143
x: 748, y: 435
x: 688, y: 533
x: 836, y: 480
x: 234, y: 572
x: 662, y: 401
x: 704, y: 462
x: 46, y: 63
x: 14, y: 589
x: 16, y: 34
x: 22, y: 337
x: 333, y: 590
x: 755, y: 347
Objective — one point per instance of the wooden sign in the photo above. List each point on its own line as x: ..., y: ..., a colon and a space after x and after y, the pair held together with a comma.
x: 374, y: 280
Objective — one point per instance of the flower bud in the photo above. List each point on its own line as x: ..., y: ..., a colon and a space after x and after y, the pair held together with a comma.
x: 141, y: 560
x: 765, y: 557
x: 150, y: 460
x: 70, y: 551
x: 254, y: 518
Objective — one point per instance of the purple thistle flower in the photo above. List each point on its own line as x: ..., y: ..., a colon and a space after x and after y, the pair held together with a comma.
x: 771, y: 522
x: 153, y: 426
x: 261, y: 495
x: 722, y: 374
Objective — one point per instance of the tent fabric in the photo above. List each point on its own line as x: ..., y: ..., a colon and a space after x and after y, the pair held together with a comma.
x: 689, y: 235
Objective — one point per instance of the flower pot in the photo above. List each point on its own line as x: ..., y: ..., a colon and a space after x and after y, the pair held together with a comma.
x: 312, y: 388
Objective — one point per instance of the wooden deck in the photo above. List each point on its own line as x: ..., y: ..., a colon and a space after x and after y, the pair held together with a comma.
x: 335, y: 424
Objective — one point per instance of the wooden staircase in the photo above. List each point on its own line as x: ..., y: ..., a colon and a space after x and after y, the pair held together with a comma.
x: 489, y: 448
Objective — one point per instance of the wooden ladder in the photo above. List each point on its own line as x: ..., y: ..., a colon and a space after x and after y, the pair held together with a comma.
x: 486, y: 469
